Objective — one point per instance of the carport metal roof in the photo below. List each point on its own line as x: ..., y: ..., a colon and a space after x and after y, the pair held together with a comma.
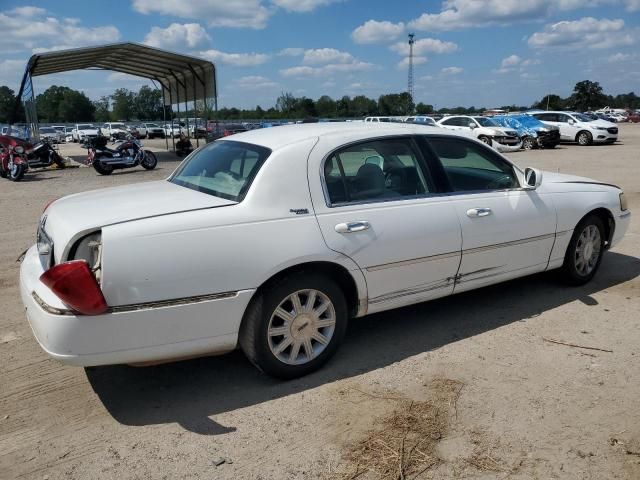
x: 183, y: 78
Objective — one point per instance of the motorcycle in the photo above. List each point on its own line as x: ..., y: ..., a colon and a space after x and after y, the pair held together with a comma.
x: 127, y: 154
x: 44, y: 155
x: 13, y: 158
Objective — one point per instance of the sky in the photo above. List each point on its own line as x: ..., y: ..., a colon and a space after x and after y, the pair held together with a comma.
x: 467, y: 52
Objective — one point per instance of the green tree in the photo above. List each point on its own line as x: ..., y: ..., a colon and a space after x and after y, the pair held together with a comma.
x: 326, y: 106
x: 551, y: 102
x: 286, y: 103
x: 343, y: 107
x: 101, y: 108
x: 362, y: 106
x: 7, y: 103
x: 124, y: 104
x: 75, y: 106
x: 306, y: 107
x: 424, y: 109
x: 148, y: 103
x: 587, y: 95
x: 395, y: 104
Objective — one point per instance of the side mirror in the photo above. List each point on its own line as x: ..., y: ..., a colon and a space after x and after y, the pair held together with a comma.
x: 532, y: 178
x: 472, y: 125
x: 571, y: 121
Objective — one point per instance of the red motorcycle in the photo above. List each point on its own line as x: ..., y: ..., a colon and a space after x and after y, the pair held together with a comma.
x: 13, y: 158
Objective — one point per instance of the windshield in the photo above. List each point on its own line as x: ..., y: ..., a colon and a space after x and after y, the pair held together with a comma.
x: 48, y: 130
x: 85, y: 127
x: 152, y: 125
x: 224, y: 169
x: 486, y: 122
x: 582, y: 118
x: 118, y: 125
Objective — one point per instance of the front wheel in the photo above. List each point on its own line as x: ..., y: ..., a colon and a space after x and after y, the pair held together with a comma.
x: 293, y: 328
x: 528, y: 143
x: 484, y: 139
x: 16, y: 171
x: 584, y: 139
x: 585, y: 250
x: 149, y: 161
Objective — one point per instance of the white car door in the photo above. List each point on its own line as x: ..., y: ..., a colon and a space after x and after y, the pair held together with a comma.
x: 568, y: 127
x: 375, y: 202
x: 507, y: 231
x: 451, y: 123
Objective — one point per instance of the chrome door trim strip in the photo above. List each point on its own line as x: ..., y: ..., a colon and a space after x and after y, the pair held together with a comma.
x: 403, y: 263
x: 138, y: 306
x: 509, y: 244
x: 447, y: 282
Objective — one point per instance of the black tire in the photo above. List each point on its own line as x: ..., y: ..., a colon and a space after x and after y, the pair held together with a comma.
x: 101, y: 168
x: 254, y: 339
x: 570, y: 270
x: 584, y: 138
x: 551, y: 145
x: 58, y: 160
x: 16, y: 173
x: 528, y: 143
x: 3, y: 173
x: 149, y: 161
x: 485, y: 139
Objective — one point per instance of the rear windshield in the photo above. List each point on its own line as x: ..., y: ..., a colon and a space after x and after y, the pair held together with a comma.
x: 224, y: 169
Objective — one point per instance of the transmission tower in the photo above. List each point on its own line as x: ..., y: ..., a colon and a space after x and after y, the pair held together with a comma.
x: 410, y: 79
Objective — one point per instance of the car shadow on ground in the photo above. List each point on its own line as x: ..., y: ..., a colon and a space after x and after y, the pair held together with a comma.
x: 189, y: 392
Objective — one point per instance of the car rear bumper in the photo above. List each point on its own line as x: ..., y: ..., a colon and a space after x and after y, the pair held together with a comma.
x: 145, y: 334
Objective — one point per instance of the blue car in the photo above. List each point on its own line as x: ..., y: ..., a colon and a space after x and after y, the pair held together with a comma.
x: 533, y: 132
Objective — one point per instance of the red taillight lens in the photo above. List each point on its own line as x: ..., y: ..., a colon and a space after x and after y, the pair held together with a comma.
x: 76, y: 286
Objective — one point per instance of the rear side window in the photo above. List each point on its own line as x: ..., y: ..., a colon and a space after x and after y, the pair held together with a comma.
x: 471, y: 167
x: 223, y: 168
x: 376, y: 170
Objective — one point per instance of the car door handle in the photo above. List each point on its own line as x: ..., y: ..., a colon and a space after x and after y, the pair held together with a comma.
x: 478, y: 212
x: 352, y: 227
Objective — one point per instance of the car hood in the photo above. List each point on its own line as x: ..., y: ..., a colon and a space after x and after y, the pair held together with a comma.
x: 603, y: 123
x: 562, y: 182
x: 73, y: 216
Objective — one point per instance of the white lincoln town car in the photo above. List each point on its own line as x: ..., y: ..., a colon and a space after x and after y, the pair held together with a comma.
x: 272, y: 239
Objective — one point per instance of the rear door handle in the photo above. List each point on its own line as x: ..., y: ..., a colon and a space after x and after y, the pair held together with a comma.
x: 478, y: 212
x: 351, y: 227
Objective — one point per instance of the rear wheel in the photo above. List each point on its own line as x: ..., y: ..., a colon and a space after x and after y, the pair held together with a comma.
x: 584, y: 138
x: 102, y: 168
x: 585, y: 250
x: 150, y: 160
x: 293, y: 328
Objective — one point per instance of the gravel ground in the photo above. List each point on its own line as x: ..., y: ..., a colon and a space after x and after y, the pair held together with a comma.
x: 517, y: 406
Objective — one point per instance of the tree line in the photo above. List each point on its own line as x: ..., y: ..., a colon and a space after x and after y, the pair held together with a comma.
x: 63, y: 104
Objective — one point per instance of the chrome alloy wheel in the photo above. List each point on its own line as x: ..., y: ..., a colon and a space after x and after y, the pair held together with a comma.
x: 301, y: 327
x: 587, y: 250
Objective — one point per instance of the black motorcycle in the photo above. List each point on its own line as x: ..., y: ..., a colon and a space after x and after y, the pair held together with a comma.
x: 44, y: 155
x: 127, y: 154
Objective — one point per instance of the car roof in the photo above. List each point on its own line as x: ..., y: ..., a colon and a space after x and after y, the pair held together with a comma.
x: 342, y: 132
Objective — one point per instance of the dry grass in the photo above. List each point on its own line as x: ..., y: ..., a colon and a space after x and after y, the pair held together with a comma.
x: 404, y: 444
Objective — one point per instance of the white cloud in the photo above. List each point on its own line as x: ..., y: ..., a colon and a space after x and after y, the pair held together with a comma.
x: 300, y: 6
x: 632, y: 5
x: 511, y: 61
x: 423, y: 46
x: 217, y: 13
x: 43, y: 32
x: 178, y: 35
x: 515, y: 62
x: 306, y: 71
x: 373, y: 31
x: 291, y: 52
x: 235, y: 59
x: 256, y: 82
x: 319, y: 56
x: 619, y: 57
x: 452, y: 71
x: 11, y: 73
x: 588, y: 32
x: 459, y: 14
x: 404, y: 63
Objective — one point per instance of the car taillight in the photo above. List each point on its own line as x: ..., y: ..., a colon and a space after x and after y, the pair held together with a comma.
x: 74, y: 284
x: 48, y: 204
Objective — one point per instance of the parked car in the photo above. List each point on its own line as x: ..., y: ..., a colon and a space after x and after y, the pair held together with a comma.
x: 422, y: 120
x: 171, y: 130
x: 84, y: 131
x: 533, y: 132
x: 224, y: 130
x: 576, y: 127
x: 114, y: 130
x: 300, y: 246
x: 50, y: 134
x: 154, y: 130
x: 634, y: 117
x: 377, y: 119
x: 485, y: 130
x: 68, y: 134
x: 59, y: 128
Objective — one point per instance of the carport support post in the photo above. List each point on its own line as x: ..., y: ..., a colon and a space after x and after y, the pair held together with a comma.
x: 195, y: 127
x: 173, y: 140
x: 186, y: 107
x: 164, y: 117
x: 178, y: 106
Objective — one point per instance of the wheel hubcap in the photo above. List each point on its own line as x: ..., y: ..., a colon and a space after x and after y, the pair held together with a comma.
x: 588, y: 250
x: 301, y: 327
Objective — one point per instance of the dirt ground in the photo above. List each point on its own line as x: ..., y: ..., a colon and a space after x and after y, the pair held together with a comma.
x: 463, y: 387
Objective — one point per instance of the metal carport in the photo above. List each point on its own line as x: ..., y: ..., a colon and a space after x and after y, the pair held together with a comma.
x: 182, y: 78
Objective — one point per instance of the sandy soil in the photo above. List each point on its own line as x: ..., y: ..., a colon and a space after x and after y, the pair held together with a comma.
x: 522, y: 408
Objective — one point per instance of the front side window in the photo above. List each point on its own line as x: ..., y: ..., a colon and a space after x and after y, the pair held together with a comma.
x: 224, y: 169
x: 486, y: 122
x: 471, y: 167
x: 376, y: 170
x: 452, y: 122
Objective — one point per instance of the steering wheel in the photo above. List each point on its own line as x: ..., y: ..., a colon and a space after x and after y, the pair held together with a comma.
x: 503, y: 181
x: 395, y: 177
